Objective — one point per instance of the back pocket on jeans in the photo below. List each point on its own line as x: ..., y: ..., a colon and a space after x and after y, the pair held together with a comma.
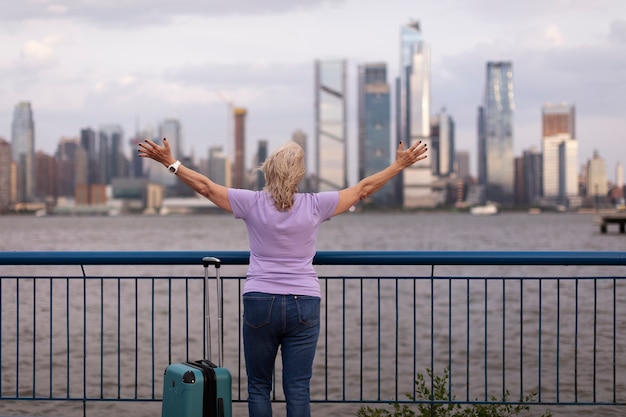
x: 257, y: 309
x: 308, y: 310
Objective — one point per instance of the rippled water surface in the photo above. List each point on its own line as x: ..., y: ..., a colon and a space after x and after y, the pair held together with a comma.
x: 365, y: 231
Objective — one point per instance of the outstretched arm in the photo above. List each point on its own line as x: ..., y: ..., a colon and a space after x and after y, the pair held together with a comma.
x: 218, y: 194
x: 369, y: 185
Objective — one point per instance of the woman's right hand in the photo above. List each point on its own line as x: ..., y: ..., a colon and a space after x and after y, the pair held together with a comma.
x: 407, y: 157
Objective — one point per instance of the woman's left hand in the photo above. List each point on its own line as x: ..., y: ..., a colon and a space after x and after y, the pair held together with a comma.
x: 162, y: 154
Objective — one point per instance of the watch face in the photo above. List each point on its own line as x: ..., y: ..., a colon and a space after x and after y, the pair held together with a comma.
x: 172, y: 169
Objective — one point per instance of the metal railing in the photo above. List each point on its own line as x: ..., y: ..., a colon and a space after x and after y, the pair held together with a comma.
x: 498, y: 325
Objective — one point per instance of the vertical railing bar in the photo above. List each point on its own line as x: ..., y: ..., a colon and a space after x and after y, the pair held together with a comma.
x: 414, y: 337
x: 152, y: 336
x: 82, y: 267
x: 239, y: 319
x: 169, y: 320
x: 432, y: 337
x: 378, y: 346
x: 84, y: 335
x: 51, y: 332
x: 1, y: 315
x: 450, y: 396
x: 595, y: 335
x: 67, y: 328
x: 614, y: 337
x: 485, y: 341
x: 34, y: 337
x: 119, y: 338
x: 17, y: 338
x: 576, y: 322
x: 503, y: 338
x: 467, y: 347
x: 101, y: 337
x: 558, y: 337
x: 326, y: 341
x: 187, y: 319
x: 521, y: 341
x: 539, y: 386
x: 361, y: 324
x: 397, y: 331
x: 136, y: 338
x: 343, y: 338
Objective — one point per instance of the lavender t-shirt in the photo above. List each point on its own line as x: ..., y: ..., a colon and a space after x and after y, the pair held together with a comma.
x: 282, y: 243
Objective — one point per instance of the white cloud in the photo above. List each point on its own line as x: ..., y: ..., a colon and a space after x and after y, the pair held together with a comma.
x: 553, y: 36
x: 57, y: 9
x: 40, y: 52
x: 147, y: 12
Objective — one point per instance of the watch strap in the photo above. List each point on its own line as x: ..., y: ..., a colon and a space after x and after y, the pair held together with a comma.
x: 173, y: 168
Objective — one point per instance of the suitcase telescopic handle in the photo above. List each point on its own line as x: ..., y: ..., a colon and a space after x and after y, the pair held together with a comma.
x: 206, y: 261
x: 209, y: 260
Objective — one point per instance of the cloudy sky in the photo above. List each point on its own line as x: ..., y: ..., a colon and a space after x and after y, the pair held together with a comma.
x: 136, y: 62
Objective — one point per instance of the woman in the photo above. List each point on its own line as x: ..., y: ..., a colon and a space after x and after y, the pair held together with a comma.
x: 281, y: 296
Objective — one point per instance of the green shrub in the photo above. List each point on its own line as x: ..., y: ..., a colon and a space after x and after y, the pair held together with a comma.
x: 437, y: 390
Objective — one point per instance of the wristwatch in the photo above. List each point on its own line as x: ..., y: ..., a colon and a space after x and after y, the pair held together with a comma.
x: 174, y: 167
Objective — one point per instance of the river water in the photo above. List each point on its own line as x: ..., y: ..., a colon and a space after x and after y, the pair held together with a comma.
x: 384, y: 231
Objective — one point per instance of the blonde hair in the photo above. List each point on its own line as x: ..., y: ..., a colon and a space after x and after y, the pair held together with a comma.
x: 283, y: 170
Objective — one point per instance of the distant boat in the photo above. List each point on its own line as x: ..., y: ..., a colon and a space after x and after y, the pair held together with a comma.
x: 485, y: 210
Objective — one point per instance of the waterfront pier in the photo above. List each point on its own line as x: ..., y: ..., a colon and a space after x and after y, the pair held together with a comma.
x: 604, y: 219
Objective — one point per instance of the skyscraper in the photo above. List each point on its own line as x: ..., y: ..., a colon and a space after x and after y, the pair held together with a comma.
x: 374, y: 113
x: 46, y: 179
x: 66, y: 153
x: 560, y: 153
x: 239, y: 167
x: 23, y: 149
x: 495, y: 134
x: 261, y: 155
x: 619, y: 175
x: 331, y: 125
x: 5, y: 175
x: 111, y: 160
x: 413, y: 113
x: 442, y: 154
x: 531, y: 177
x: 219, y: 166
x: 596, y: 177
x: 462, y: 164
x: 171, y: 129
x: 88, y: 142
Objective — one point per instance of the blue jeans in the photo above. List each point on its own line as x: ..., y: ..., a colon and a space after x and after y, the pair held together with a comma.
x: 293, y: 323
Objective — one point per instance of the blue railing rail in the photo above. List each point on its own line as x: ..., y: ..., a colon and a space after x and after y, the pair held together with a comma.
x: 555, y: 258
x: 502, y: 325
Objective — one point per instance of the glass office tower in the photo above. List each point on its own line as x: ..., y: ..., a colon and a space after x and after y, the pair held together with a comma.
x: 413, y: 113
x: 23, y: 150
x: 560, y: 153
x: 495, y: 134
x: 331, y: 124
x: 374, y: 111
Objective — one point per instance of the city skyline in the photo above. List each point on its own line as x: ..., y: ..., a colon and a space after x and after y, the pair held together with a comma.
x: 151, y: 65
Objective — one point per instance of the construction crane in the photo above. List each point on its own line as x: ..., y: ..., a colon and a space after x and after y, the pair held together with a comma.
x: 230, y: 122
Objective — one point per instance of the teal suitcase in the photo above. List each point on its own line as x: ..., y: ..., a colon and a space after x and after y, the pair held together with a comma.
x: 200, y: 388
